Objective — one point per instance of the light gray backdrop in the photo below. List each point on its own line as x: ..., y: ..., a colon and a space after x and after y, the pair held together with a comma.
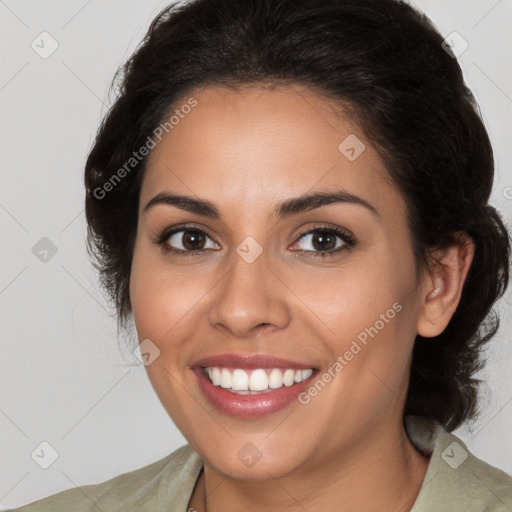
x: 64, y: 380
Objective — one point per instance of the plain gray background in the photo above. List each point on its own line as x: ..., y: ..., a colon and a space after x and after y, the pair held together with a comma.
x: 64, y: 379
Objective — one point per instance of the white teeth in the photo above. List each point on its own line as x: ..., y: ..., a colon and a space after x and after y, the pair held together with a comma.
x: 258, y: 381
x: 306, y: 373
x: 225, y: 378
x: 245, y: 382
x: 240, y: 380
x: 289, y: 377
x: 275, y: 379
x: 215, y: 377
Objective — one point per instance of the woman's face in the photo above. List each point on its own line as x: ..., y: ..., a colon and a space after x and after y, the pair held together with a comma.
x: 254, y: 282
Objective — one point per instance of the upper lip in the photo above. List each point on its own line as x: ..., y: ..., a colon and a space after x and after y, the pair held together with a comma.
x: 250, y: 362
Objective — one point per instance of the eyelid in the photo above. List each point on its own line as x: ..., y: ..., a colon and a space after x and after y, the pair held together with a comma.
x: 327, y: 226
x: 166, y: 233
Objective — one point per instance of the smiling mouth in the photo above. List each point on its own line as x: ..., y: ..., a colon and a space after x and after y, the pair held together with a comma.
x: 257, y: 381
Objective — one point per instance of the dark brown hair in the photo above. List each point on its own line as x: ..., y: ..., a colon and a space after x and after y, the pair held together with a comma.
x: 386, y: 61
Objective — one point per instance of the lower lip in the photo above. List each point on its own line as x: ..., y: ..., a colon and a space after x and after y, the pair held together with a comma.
x: 250, y: 406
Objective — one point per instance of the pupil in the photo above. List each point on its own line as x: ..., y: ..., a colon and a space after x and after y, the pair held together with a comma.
x: 191, y: 238
x: 323, y: 238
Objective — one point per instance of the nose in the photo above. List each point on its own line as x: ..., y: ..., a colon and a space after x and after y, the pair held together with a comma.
x: 250, y: 299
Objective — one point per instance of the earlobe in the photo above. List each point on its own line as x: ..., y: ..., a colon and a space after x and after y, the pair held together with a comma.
x: 442, y: 286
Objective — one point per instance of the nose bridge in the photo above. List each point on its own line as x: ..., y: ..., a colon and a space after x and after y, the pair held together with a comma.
x: 250, y: 294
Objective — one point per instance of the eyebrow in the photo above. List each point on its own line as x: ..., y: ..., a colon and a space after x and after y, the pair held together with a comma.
x: 284, y: 209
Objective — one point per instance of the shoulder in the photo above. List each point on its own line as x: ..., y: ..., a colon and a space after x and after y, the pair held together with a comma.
x: 153, y: 487
x: 457, y: 480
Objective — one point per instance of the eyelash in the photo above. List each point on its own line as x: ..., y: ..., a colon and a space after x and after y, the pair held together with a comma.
x: 346, y: 237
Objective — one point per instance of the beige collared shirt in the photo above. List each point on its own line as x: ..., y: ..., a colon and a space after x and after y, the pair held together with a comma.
x: 456, y: 481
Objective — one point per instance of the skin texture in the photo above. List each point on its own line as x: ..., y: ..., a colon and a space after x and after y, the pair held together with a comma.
x: 245, y: 151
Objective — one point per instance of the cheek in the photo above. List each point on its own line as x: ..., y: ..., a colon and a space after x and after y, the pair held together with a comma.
x: 161, y: 303
x: 348, y: 299
x: 166, y: 302
x: 151, y: 296
x: 156, y: 296
x: 367, y: 310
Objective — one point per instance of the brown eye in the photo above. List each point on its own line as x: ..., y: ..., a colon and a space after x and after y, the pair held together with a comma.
x: 188, y: 240
x: 193, y: 240
x: 326, y: 241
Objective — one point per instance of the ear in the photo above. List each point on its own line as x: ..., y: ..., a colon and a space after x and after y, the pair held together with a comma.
x: 441, y: 288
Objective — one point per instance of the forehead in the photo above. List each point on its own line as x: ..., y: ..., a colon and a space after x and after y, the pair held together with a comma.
x: 255, y: 146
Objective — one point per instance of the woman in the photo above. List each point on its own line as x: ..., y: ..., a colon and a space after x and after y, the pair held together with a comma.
x: 290, y: 198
